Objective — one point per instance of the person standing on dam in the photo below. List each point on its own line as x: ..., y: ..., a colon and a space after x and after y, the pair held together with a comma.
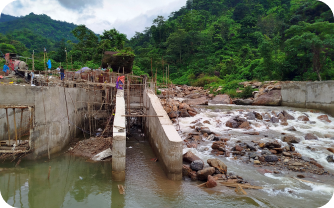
x: 62, y: 72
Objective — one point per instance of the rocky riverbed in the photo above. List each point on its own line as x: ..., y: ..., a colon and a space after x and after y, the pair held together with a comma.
x: 278, y: 142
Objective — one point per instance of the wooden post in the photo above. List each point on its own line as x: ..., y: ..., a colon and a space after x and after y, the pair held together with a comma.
x: 8, y: 125
x: 123, y: 69
x: 15, y: 126
x: 33, y: 60
x: 90, y: 124
x: 21, y: 124
x: 71, y: 63
x: 49, y: 172
x: 151, y: 68
x: 66, y: 59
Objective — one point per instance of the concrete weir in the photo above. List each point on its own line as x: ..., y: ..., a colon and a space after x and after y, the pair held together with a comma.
x: 54, y: 115
x: 164, y: 139
x: 316, y: 95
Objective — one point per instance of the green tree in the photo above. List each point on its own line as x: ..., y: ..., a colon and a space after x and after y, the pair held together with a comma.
x: 317, y: 39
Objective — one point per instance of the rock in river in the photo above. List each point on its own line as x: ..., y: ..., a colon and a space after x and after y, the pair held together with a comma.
x: 330, y: 158
x: 310, y: 136
x: 211, y: 182
x: 219, y: 145
x: 324, y: 118
x: 198, y: 101
x: 243, y: 102
x: 271, y: 158
x: 221, y: 99
x: 291, y: 139
x: 190, y: 157
x: 203, y: 174
x: 186, y: 170
x: 272, y: 98
x: 218, y: 164
x: 197, y: 165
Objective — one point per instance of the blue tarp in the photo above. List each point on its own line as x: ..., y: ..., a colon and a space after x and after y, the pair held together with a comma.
x: 49, y: 64
x: 5, y: 68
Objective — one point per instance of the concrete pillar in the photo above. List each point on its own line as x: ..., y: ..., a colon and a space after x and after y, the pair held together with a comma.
x: 119, y: 139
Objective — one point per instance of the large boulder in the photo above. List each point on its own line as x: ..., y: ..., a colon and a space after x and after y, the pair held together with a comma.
x: 272, y: 98
x: 197, y: 165
x: 221, y: 99
x: 198, y: 101
x: 203, y: 174
x: 190, y: 157
x: 218, y: 165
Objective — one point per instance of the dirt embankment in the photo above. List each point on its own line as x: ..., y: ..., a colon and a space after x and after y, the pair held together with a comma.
x: 90, y: 147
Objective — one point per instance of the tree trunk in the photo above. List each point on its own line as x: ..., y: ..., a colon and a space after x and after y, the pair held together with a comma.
x: 319, y: 76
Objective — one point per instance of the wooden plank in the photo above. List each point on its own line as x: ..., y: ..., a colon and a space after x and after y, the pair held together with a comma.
x: 246, y: 186
x: 121, y: 189
x: 239, y: 190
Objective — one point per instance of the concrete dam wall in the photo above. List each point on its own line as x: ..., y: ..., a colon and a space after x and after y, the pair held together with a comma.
x: 54, y: 115
x: 164, y: 139
x: 316, y: 95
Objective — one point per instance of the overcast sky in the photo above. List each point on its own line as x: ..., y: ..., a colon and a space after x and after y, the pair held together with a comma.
x: 127, y: 16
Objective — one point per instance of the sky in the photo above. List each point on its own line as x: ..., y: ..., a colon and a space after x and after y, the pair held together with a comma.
x: 127, y: 16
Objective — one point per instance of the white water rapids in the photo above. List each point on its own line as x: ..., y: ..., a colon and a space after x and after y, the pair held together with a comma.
x: 283, y: 186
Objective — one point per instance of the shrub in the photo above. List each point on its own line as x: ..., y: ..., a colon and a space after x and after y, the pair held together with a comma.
x: 205, y: 80
x: 246, y: 93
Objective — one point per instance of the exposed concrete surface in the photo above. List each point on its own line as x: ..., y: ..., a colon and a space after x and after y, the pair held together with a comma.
x: 51, y: 129
x: 119, y: 139
x: 317, y: 95
x: 164, y: 139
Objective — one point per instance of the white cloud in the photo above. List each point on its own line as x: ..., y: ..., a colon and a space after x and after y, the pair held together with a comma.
x: 127, y: 16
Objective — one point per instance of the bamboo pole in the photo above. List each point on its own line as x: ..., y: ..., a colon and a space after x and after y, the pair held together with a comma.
x: 8, y: 125
x: 15, y: 126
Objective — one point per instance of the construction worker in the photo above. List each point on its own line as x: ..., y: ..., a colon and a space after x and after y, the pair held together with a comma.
x: 5, y: 69
x: 62, y: 73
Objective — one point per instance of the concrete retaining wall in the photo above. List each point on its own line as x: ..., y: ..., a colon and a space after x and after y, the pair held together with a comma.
x: 316, y: 95
x: 52, y: 131
x: 164, y: 139
x: 119, y: 139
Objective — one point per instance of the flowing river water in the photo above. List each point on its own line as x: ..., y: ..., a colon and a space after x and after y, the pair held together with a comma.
x: 74, y: 182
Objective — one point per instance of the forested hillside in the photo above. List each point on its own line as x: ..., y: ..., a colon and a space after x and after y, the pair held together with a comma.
x: 7, y: 18
x: 224, y: 40
x: 36, y: 31
x: 206, y: 42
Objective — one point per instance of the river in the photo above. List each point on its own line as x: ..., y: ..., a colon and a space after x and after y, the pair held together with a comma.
x: 74, y: 182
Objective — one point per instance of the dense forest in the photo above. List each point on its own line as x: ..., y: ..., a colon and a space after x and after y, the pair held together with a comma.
x: 206, y: 41
x: 212, y: 43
